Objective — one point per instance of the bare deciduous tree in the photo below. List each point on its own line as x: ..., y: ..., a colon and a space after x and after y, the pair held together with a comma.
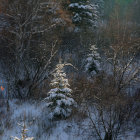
x: 113, y: 106
x: 31, y: 52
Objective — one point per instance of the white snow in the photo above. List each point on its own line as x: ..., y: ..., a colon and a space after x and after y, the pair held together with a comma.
x: 38, y: 124
x: 41, y: 128
x: 80, y: 6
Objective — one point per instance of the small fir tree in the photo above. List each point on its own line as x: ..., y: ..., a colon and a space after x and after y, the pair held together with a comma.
x: 92, y: 62
x: 23, y: 133
x: 59, y: 97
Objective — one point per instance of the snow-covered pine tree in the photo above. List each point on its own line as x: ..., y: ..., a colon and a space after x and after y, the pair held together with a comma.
x: 84, y: 13
x: 59, y: 98
x: 92, y: 62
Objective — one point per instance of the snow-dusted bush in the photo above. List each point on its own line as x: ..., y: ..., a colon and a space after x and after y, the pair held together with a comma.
x: 59, y: 98
x: 92, y: 62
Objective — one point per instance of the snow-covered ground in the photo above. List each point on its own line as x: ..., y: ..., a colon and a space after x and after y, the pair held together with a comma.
x: 39, y: 126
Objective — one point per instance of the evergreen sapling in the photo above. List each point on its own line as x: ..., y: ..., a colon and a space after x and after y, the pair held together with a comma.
x: 59, y: 98
x: 92, y: 62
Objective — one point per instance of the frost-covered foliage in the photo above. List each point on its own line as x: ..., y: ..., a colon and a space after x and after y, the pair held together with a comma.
x: 100, y: 6
x: 92, y: 62
x: 84, y: 13
x: 16, y: 138
x: 23, y: 133
x: 59, y: 98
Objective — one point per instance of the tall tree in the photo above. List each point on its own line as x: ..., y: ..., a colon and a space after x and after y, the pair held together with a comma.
x: 27, y: 43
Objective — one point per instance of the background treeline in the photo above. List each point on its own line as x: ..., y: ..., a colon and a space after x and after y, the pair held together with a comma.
x: 36, y: 34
